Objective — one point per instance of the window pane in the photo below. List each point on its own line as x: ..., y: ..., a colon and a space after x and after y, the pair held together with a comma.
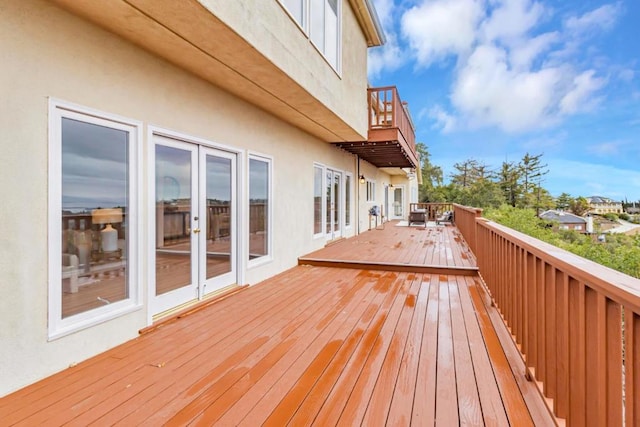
x: 317, y: 200
x: 258, y: 208
x: 329, y: 201
x: 318, y: 23
x: 219, y: 193
x: 347, y: 208
x: 295, y: 9
x: 173, y: 218
x: 331, y: 33
x: 95, y: 201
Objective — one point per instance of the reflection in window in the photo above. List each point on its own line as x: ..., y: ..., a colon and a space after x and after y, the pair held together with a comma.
x: 95, y: 205
x: 317, y: 200
x: 324, y: 28
x: 295, y: 8
x: 220, y: 215
x: 173, y: 218
x: 258, y: 207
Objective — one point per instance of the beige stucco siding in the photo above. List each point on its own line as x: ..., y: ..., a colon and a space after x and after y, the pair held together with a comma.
x: 47, y: 52
x: 268, y: 28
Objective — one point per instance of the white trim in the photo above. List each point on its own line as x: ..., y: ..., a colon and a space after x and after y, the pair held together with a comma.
x: 59, y: 327
x: 265, y: 259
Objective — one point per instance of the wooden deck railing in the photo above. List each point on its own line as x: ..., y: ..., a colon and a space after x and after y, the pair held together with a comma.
x: 577, y: 323
x: 432, y: 210
x: 388, y: 111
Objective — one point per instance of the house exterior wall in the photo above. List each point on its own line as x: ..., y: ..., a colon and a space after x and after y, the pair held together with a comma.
x: 50, y: 53
x: 605, y: 208
x: 292, y: 51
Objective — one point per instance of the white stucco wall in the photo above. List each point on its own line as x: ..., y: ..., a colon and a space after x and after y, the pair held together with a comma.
x: 46, y: 52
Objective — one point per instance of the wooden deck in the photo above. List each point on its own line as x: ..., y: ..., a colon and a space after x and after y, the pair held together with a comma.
x: 314, y: 345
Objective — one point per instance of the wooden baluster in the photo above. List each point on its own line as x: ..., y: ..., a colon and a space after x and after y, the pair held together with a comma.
x: 561, y: 403
x: 632, y: 367
x: 577, y: 354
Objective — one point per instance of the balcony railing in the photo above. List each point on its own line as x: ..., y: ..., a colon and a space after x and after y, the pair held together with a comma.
x: 388, y: 111
x: 391, y: 140
x: 577, y: 323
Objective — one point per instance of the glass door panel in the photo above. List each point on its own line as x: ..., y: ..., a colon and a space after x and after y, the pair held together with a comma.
x: 398, y: 203
x: 336, y: 204
x: 218, y: 201
x: 334, y: 209
x: 176, y: 218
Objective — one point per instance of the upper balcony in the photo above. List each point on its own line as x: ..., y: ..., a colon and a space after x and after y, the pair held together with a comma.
x: 391, y: 136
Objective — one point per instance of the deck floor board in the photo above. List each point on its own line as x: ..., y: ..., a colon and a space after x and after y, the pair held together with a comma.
x: 311, y: 346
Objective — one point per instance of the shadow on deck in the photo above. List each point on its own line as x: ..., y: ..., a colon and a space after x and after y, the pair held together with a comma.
x: 338, y: 339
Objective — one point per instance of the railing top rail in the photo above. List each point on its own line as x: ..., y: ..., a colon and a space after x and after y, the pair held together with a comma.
x: 468, y: 208
x: 383, y: 88
x: 615, y: 285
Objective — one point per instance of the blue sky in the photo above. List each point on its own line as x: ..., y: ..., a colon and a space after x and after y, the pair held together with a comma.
x: 494, y: 79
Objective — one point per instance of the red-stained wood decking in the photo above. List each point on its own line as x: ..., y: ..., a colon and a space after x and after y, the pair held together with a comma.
x: 313, y: 345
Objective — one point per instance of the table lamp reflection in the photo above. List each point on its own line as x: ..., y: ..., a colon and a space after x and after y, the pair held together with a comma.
x: 108, y: 235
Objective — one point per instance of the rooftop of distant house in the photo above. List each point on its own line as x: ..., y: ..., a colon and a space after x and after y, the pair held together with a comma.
x: 562, y: 217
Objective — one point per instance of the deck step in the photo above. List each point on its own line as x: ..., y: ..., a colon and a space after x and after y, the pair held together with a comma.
x: 390, y: 266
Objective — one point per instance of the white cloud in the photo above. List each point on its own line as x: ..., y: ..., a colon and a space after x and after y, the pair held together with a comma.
x: 390, y: 56
x: 627, y: 75
x: 489, y: 92
x: 444, y: 121
x: 525, y: 52
x: 508, y: 74
x: 605, y: 148
x: 437, y: 29
x: 602, y: 18
x: 579, y: 97
x: 511, y: 19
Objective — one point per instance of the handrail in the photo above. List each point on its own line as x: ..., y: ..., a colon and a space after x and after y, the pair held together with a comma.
x: 577, y: 322
x: 387, y: 110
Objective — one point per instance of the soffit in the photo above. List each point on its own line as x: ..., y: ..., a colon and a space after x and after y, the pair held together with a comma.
x: 368, y: 20
x: 189, y: 36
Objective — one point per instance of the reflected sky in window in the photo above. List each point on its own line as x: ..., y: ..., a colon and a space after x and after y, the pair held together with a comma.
x: 258, y: 179
x: 94, y: 166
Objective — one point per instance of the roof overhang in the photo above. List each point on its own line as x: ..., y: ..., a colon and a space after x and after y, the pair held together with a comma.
x: 188, y: 35
x: 369, y: 22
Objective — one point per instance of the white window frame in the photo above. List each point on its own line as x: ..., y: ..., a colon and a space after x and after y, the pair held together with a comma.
x: 269, y: 256
x: 323, y: 196
x: 303, y: 25
x: 306, y: 24
x: 371, y: 191
x: 58, y: 326
x: 348, y: 187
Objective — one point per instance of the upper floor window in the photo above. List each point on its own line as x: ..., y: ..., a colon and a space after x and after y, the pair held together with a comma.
x: 297, y: 10
x: 320, y: 20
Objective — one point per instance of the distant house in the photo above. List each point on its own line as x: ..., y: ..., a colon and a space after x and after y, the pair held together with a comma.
x: 603, y: 205
x: 565, y: 220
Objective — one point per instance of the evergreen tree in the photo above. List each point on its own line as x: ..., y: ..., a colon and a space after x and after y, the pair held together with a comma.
x: 563, y: 202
